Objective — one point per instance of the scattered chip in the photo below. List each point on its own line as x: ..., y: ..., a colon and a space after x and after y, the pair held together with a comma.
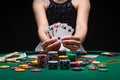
x: 93, y: 68
x: 4, y: 66
x: 19, y: 70
x: 102, y: 66
x: 13, y: 68
x: 103, y: 69
x: 35, y: 70
x: 27, y: 67
x: 77, y: 69
x: 34, y: 62
x: 22, y: 65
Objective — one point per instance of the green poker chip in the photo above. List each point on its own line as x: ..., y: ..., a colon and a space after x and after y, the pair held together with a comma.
x: 103, y: 69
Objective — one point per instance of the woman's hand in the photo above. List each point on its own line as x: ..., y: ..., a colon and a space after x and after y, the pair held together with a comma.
x: 51, y: 45
x: 71, y: 42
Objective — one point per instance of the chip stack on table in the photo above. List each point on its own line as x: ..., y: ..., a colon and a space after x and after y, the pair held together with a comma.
x: 52, y: 56
x: 72, y: 57
x: 74, y: 64
x: 62, y: 57
x: 61, y: 52
x: 52, y: 64
x: 68, y: 52
x: 64, y: 64
x: 34, y: 62
x: 42, y: 60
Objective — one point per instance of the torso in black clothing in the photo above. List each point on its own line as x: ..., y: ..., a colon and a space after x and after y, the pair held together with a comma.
x: 61, y: 12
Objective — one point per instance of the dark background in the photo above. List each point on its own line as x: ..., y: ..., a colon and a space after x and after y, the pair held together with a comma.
x: 18, y: 30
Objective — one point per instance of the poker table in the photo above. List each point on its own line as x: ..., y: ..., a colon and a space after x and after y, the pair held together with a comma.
x: 112, y: 74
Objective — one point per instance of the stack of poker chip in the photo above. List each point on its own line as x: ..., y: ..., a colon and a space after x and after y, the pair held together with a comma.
x: 72, y: 57
x: 53, y: 55
x: 64, y: 64
x: 61, y: 53
x: 52, y: 64
x: 62, y: 57
x: 52, y: 60
x: 74, y: 64
x: 42, y: 60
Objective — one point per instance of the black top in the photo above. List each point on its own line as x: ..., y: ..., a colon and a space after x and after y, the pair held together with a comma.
x: 62, y: 12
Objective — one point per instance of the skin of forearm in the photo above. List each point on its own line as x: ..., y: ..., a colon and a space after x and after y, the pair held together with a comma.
x: 81, y: 32
x: 42, y: 34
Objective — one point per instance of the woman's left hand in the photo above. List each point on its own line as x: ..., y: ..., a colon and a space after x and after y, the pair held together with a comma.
x: 71, y: 42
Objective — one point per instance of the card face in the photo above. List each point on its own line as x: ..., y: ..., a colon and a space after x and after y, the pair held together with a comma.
x: 53, y: 28
x: 48, y: 33
x: 59, y: 30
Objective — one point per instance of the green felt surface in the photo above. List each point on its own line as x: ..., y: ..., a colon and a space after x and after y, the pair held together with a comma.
x: 45, y: 74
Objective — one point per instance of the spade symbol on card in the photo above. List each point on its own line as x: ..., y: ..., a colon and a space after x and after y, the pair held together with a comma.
x: 69, y: 30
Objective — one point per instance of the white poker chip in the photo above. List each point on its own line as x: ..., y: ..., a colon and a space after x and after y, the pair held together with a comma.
x: 96, y: 62
x: 52, y: 61
x: 105, y: 53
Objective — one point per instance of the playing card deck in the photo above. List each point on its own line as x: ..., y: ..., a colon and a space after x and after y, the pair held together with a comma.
x: 59, y: 30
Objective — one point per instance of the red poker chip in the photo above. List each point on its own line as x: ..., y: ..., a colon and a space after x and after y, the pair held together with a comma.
x: 35, y: 70
x: 79, y: 59
x: 27, y: 67
x: 91, y: 61
x: 93, y: 68
x: 13, y: 68
x: 74, y: 64
x: 112, y: 55
x: 102, y: 66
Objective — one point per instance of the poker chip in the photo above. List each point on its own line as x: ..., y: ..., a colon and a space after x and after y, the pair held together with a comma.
x: 63, y: 57
x: 103, y: 69
x: 35, y: 70
x: 34, y: 62
x: 105, y: 53
x: 102, y: 66
x: 64, y: 64
x: 93, y: 68
x: 4, y: 66
x: 74, y: 64
x: 23, y: 65
x: 112, y: 55
x: 52, y: 64
x: 95, y: 62
x: 79, y: 59
x: 19, y: 70
x: 77, y: 69
x: 13, y: 68
x: 27, y: 67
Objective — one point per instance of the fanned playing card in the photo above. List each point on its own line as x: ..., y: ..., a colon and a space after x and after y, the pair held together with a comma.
x: 59, y: 30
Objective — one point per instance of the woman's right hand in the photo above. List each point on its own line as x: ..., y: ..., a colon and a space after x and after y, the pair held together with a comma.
x: 51, y: 45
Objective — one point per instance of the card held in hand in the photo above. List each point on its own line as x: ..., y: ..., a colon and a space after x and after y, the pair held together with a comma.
x: 59, y: 30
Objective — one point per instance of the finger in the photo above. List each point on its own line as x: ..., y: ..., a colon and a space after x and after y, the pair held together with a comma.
x: 54, y: 46
x: 71, y: 42
x: 72, y: 47
x: 71, y: 37
x: 48, y: 42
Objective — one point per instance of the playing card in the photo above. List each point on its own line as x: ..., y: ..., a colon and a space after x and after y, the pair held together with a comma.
x: 64, y: 30
x: 59, y: 30
x: 53, y: 28
x: 48, y: 33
